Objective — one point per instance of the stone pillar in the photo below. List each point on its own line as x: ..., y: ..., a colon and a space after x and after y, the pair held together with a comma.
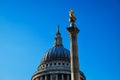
x: 73, y: 31
x: 50, y: 76
x: 40, y: 77
x: 68, y: 77
x: 62, y: 76
x: 45, y: 77
x: 56, y: 77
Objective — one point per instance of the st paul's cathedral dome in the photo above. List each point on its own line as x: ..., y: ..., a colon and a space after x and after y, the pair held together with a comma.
x: 58, y: 52
x: 55, y: 64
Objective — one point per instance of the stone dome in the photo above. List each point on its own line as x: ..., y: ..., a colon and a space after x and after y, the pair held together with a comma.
x: 57, y: 53
x: 55, y: 64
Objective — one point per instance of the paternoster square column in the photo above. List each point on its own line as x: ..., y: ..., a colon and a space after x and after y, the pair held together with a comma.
x: 73, y: 32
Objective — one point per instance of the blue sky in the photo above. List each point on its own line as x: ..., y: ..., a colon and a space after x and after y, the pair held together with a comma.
x: 28, y: 28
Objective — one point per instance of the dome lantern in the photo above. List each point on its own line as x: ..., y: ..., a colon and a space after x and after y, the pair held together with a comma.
x: 58, y: 39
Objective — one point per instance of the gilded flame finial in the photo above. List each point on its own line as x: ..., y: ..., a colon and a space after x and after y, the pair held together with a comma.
x: 71, y: 13
x: 72, y: 19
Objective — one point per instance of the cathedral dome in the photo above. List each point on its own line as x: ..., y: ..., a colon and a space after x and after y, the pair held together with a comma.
x: 55, y: 64
x: 56, y: 53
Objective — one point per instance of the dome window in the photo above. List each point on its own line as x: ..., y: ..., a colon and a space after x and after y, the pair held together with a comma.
x: 67, y: 64
x: 50, y: 64
x: 63, y: 63
x: 54, y: 63
x: 58, y: 63
x: 46, y: 65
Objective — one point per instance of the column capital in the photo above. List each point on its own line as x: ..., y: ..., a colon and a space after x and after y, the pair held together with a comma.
x: 73, y: 31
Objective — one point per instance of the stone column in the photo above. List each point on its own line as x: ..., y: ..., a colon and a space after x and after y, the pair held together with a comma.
x: 73, y: 31
x: 45, y: 77
x: 40, y: 77
x: 62, y: 76
x: 56, y: 77
x: 68, y: 77
x: 50, y: 76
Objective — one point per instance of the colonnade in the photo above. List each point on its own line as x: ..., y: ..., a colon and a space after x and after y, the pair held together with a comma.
x: 54, y: 77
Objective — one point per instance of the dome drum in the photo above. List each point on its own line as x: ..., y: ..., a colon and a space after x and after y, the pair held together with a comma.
x: 54, y: 65
x: 38, y: 75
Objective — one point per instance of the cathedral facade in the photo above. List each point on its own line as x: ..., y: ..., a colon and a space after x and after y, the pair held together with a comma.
x: 55, y: 64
